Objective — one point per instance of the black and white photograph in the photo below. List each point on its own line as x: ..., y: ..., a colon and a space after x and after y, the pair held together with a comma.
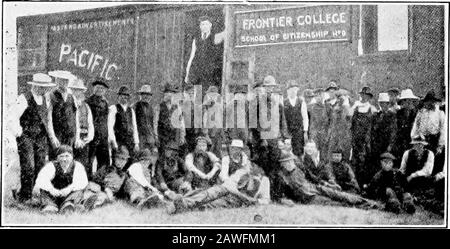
x: 195, y: 114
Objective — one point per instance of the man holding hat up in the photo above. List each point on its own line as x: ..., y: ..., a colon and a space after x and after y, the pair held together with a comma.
x: 32, y: 141
x: 84, y: 125
x: 63, y: 112
x: 205, y: 61
x: 297, y: 120
x: 145, y: 117
x: 98, y: 148
x: 122, y: 127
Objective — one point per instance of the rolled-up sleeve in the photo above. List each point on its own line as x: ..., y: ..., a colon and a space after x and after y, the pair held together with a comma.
x: 44, y: 178
x: 80, y: 180
x: 428, y: 167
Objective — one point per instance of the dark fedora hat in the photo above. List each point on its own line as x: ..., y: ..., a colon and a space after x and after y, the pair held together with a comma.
x: 204, y: 18
x: 431, y: 96
x: 387, y: 155
x: 124, y: 90
x: 366, y: 90
x: 100, y: 82
x: 291, y: 84
x: 171, y: 88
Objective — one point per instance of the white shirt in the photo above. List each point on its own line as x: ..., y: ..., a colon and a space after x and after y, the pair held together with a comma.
x: 47, y: 173
x: 430, y: 122
x: 90, y: 121
x: 362, y: 108
x: 112, y: 120
x: 303, y: 110
x: 136, y: 171
x: 425, y: 171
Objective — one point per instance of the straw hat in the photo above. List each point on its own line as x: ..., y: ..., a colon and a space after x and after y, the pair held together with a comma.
x: 77, y: 84
x: 41, y: 79
x: 237, y: 143
x: 333, y: 86
x: 145, y: 89
x: 407, y: 94
x: 269, y: 80
x: 62, y: 74
x: 383, y: 97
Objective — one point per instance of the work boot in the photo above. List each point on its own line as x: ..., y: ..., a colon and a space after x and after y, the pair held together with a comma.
x: 90, y: 202
x: 67, y: 208
x: 149, y: 202
x: 393, y: 205
x: 286, y: 202
x: 49, y: 209
x: 408, y: 203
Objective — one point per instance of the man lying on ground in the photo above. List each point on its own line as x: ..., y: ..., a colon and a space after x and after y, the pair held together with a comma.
x: 240, y: 186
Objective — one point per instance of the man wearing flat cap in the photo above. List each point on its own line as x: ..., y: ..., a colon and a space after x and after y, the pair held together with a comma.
x: 63, y: 112
x: 205, y: 61
x: 98, y: 148
x: 122, y: 127
x: 32, y: 110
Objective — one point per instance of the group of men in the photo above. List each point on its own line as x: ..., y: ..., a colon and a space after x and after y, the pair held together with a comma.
x: 326, y: 150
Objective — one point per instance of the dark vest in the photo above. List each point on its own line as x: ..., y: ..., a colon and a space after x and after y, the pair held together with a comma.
x: 99, y: 110
x: 165, y: 130
x: 63, y: 114
x: 144, y: 119
x: 61, y: 179
x: 123, y: 128
x: 293, y: 114
x: 413, y: 164
x: 34, y: 119
x: 233, y: 166
x: 205, y: 59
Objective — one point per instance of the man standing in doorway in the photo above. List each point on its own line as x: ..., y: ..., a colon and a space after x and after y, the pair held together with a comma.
x: 205, y: 64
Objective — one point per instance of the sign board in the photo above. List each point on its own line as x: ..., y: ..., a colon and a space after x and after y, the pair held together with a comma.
x: 323, y: 23
x: 91, y: 49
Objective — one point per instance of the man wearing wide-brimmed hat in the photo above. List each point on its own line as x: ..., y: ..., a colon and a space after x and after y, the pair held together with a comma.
x: 431, y: 123
x: 384, y: 128
x: 205, y: 61
x: 32, y: 110
x: 84, y: 125
x: 145, y: 117
x: 405, y: 120
x: 122, y: 127
x: 98, y: 148
x: 362, y: 113
x: 417, y: 164
x: 63, y: 112
x: 297, y: 121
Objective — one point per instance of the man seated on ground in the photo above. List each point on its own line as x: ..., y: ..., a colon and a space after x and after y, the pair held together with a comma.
x: 342, y: 173
x: 109, y: 180
x: 315, y: 169
x: 60, y: 184
x: 386, y: 186
x: 203, y: 164
x: 138, y: 185
x: 417, y: 166
x: 241, y: 186
x: 297, y: 187
x: 171, y: 172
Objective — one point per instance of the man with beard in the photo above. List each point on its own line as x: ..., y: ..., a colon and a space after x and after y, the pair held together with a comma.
x: 203, y: 164
x: 171, y: 172
x: 98, y: 104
